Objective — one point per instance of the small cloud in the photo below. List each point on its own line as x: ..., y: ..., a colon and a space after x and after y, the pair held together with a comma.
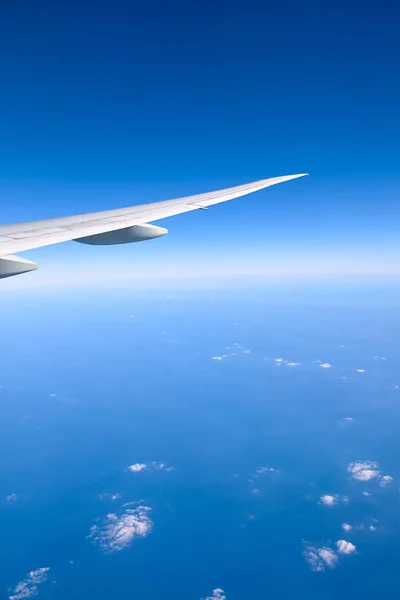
x: 320, y: 558
x: 325, y: 365
x: 28, y: 587
x: 360, y: 370
x: 255, y: 492
x: 137, y: 467
x: 372, y: 528
x: 217, y: 594
x: 109, y: 496
x: 331, y: 499
x: 217, y: 357
x: 293, y: 364
x: 347, y: 527
x: 53, y: 395
x: 116, y: 533
x: 278, y: 360
x: 366, y: 493
x: 12, y: 498
x: 385, y: 480
x: 263, y: 470
x: 345, y: 547
x: 328, y: 500
x: 246, y: 351
x: 158, y: 466
x: 379, y: 358
x: 364, y: 470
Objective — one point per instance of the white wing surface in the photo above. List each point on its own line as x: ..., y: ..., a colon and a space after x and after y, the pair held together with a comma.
x: 109, y: 227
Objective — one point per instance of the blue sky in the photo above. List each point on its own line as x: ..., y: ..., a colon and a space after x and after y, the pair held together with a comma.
x: 116, y: 103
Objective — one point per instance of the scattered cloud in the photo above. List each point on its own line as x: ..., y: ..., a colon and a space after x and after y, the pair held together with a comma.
x: 347, y: 527
x: 367, y: 470
x: 325, y: 365
x: 137, y: 467
x: 363, y: 470
x: 109, y: 496
x: 217, y: 594
x: 161, y: 466
x: 328, y: 500
x: 217, y: 357
x: 372, y: 528
x: 12, y: 498
x: 246, y: 351
x: 366, y: 493
x: 117, y: 532
x: 287, y: 363
x: 158, y: 466
x: 262, y: 470
x: 28, y: 587
x: 320, y: 558
x: 379, y: 358
x: 385, y: 480
x: 360, y: 370
x: 345, y: 547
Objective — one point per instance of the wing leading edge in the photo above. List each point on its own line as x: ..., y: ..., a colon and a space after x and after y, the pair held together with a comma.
x: 130, y: 222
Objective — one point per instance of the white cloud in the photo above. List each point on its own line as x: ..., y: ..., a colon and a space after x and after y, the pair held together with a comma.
x: 325, y: 365
x: 246, y: 351
x: 158, y: 466
x: 109, y: 496
x: 372, y: 528
x: 320, y: 558
x: 278, y: 360
x: 347, y: 527
x: 363, y: 470
x: 328, y: 500
x: 217, y: 357
x: 262, y: 470
x: 12, y: 498
x: 161, y: 466
x: 137, y: 467
x: 218, y: 594
x: 293, y: 364
x: 366, y: 493
x: 385, y: 480
x: 345, y: 547
x: 28, y: 587
x: 117, y: 533
x: 360, y: 370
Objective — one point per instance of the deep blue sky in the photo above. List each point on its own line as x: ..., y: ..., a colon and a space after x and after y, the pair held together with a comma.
x: 106, y: 104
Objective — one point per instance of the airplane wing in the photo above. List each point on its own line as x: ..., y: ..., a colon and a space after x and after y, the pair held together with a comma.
x: 118, y: 226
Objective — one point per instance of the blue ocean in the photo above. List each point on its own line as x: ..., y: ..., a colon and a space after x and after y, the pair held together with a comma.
x: 204, y: 444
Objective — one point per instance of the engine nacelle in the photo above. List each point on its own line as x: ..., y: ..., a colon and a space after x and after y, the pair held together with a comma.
x: 128, y: 235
